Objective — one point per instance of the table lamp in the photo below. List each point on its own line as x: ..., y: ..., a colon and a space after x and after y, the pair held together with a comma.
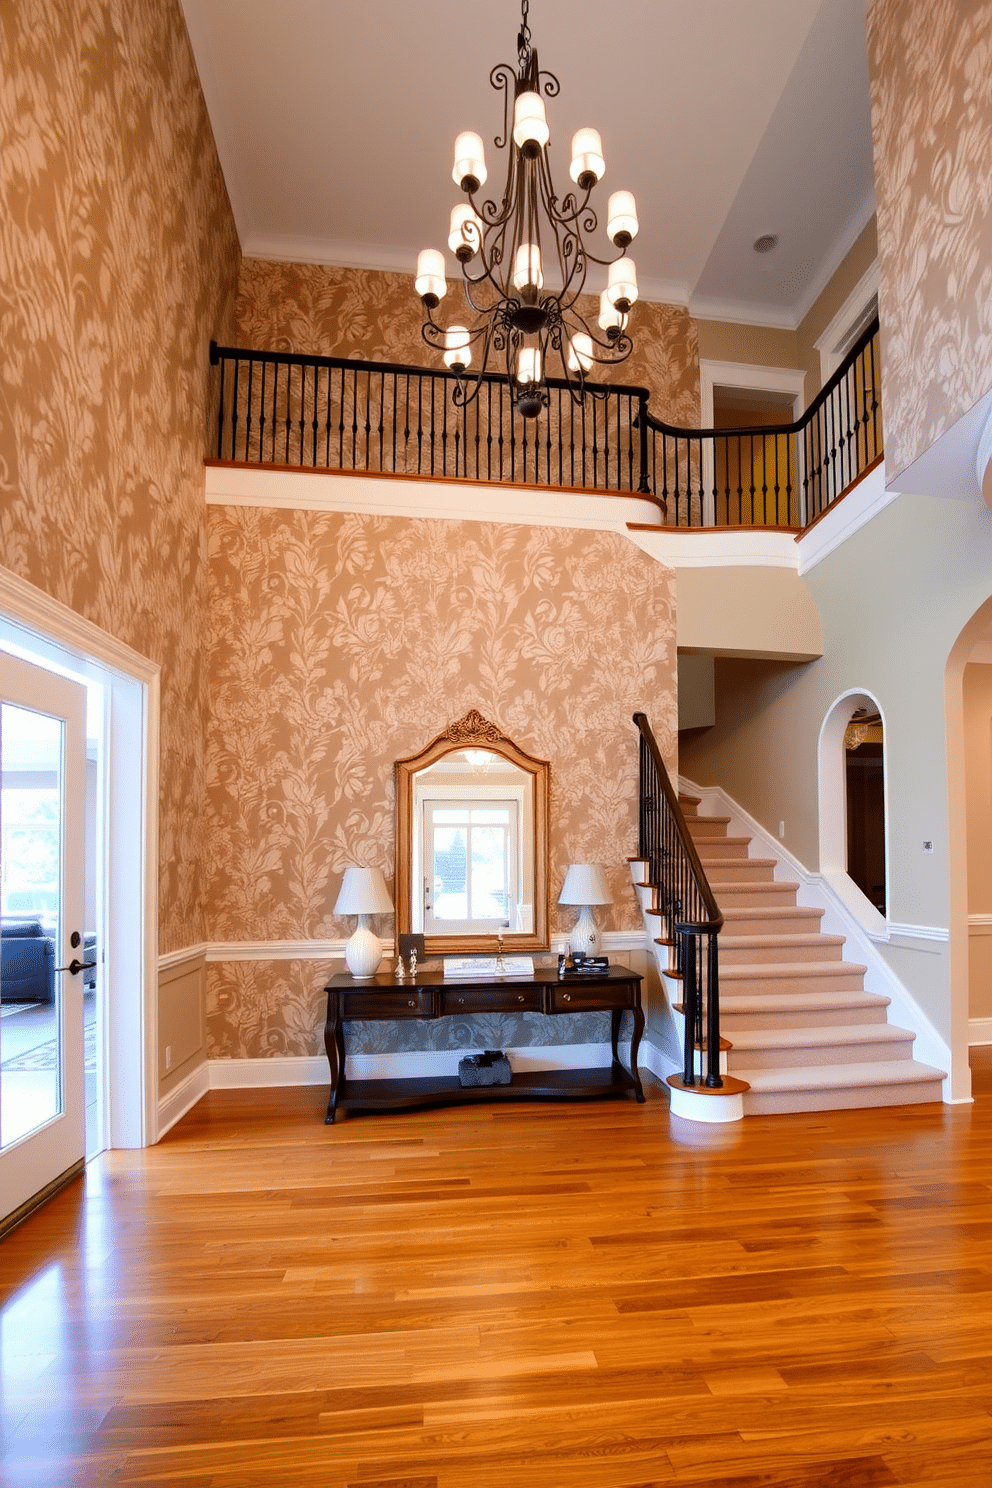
x: 585, y: 884
x: 363, y: 893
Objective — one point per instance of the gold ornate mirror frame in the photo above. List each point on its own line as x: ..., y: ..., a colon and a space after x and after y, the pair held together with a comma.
x: 474, y: 732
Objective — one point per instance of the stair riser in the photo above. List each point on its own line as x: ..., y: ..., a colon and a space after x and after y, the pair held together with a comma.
x: 707, y: 826
x: 811, y: 1055
x: 768, y: 1021
x: 770, y: 954
x: 739, y: 980
x: 783, y: 1102
x: 742, y: 921
x: 741, y: 870
x: 754, y: 895
x: 722, y: 848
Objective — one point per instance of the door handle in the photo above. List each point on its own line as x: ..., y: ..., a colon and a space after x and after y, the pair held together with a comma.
x: 75, y: 967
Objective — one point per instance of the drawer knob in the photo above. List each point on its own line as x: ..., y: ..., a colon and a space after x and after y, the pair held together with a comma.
x: 520, y: 997
x: 567, y: 997
x: 411, y: 1003
x: 461, y: 1002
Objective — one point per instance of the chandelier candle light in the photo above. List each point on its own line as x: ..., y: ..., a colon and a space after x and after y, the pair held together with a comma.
x: 363, y: 893
x: 524, y: 260
x: 585, y: 884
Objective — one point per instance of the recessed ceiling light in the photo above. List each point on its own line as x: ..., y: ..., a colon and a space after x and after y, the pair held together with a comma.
x: 765, y: 243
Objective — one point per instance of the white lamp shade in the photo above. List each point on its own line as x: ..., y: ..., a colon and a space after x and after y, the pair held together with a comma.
x: 430, y: 278
x: 609, y: 315
x: 530, y: 122
x: 621, y: 216
x: 470, y: 159
x: 587, y: 156
x: 363, y: 891
x: 528, y: 365
x: 465, y: 231
x: 621, y: 289
x: 458, y: 351
x: 527, y: 269
x: 581, y: 354
x: 585, y: 883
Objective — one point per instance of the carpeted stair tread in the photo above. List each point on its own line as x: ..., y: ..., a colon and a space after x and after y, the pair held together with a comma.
x: 819, y: 1035
x: 841, y: 1076
x: 784, y: 970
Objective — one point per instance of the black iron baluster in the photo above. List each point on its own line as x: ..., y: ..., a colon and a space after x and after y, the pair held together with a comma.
x: 234, y: 410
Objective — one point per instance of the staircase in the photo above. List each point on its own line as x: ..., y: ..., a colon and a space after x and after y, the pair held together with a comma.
x: 798, y: 1026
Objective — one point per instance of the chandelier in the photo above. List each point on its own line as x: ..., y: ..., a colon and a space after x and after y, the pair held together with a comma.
x: 524, y: 261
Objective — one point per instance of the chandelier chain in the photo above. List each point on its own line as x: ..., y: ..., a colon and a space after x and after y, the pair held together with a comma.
x: 523, y: 38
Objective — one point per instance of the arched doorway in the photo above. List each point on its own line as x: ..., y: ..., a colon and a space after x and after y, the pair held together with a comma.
x: 852, y: 807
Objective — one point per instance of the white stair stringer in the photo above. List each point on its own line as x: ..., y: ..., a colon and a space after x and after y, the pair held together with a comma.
x: 808, y: 1030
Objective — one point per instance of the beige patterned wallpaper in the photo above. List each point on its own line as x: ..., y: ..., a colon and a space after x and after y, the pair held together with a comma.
x: 119, y: 262
x: 320, y: 310
x: 931, y: 96
x: 340, y: 643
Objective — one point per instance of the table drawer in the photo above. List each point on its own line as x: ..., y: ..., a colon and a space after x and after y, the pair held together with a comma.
x: 576, y: 997
x: 509, y: 999
x: 412, y: 1002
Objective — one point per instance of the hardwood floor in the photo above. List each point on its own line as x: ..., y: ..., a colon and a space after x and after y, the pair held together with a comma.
x: 587, y: 1296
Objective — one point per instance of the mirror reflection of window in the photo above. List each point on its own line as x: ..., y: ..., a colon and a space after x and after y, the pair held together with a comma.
x: 473, y: 821
x: 471, y: 858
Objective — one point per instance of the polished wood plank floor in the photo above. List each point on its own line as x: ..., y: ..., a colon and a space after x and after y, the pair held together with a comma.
x: 586, y: 1296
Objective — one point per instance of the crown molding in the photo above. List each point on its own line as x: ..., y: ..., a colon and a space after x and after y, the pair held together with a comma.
x: 741, y: 312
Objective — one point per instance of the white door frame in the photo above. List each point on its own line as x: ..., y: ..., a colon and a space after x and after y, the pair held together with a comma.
x: 754, y: 378
x: 34, y: 624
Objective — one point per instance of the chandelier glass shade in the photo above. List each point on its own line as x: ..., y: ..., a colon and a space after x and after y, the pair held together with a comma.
x: 525, y: 260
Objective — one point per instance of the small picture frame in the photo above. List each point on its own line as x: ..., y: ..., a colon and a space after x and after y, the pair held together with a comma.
x: 407, y: 944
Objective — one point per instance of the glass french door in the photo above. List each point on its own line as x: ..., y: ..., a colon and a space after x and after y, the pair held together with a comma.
x: 42, y: 957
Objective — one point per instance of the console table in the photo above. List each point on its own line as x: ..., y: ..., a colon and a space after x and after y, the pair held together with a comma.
x: 429, y: 996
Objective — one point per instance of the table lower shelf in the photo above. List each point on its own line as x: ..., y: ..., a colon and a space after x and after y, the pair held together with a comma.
x: 557, y: 1084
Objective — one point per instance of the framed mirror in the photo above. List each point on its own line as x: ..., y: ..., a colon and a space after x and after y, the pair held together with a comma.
x: 472, y: 842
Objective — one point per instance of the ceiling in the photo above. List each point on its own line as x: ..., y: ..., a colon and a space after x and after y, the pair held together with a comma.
x: 335, y: 124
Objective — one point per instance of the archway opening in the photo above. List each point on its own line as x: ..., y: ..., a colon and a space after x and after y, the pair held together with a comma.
x: 864, y: 771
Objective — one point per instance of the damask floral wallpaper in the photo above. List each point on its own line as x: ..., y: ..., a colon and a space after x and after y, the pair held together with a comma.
x: 340, y: 643
x: 321, y: 310
x: 931, y: 97
x: 118, y: 262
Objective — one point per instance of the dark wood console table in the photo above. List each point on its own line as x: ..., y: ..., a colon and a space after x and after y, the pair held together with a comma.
x: 383, y: 997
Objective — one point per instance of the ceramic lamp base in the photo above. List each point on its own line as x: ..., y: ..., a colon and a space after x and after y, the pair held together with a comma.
x: 585, y: 937
x: 363, y: 952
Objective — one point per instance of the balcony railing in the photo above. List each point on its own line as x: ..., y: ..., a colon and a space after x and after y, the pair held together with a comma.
x: 329, y: 413
x: 782, y: 475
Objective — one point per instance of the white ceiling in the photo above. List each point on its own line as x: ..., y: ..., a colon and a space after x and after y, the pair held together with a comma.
x: 727, y: 118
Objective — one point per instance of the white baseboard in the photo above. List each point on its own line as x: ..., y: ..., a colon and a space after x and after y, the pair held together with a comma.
x: 182, y: 1098
x: 815, y: 889
x: 980, y: 1031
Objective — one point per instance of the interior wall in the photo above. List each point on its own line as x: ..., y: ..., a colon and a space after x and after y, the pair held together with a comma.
x: 120, y: 261
x: 931, y: 104
x: 340, y: 643
x: 893, y: 600
x: 977, y: 688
